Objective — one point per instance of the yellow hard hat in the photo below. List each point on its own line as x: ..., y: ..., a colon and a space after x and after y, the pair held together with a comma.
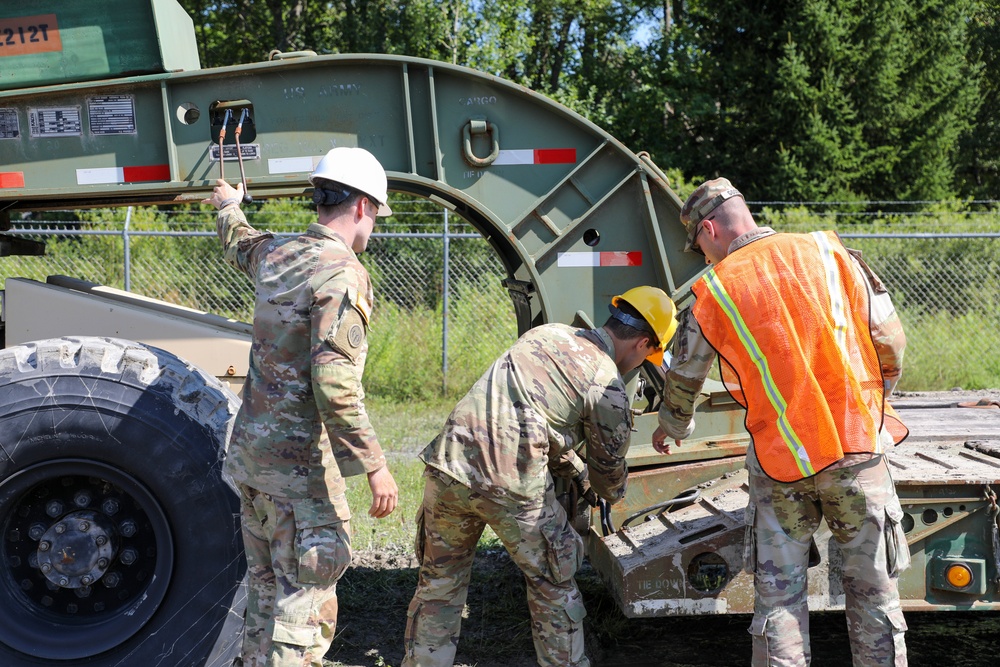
x: 659, y: 312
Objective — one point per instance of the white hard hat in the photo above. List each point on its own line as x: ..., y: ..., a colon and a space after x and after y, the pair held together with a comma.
x: 358, y: 169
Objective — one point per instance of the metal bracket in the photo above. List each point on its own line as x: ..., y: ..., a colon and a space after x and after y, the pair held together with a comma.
x: 478, y: 127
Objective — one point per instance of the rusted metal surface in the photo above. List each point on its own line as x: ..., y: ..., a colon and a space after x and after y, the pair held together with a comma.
x: 688, y: 560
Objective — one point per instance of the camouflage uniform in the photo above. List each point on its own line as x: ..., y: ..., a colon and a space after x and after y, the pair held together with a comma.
x: 855, y: 495
x: 552, y: 396
x: 301, y: 429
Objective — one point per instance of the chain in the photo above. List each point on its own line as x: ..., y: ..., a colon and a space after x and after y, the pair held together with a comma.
x: 994, y: 512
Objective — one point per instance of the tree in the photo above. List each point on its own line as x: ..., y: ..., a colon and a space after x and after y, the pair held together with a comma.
x: 979, y: 163
x: 820, y: 99
x: 239, y: 31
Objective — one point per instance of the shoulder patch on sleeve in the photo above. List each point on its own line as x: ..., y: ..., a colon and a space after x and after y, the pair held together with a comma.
x: 350, y: 334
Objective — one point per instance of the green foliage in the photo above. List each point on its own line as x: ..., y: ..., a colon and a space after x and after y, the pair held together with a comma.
x: 823, y: 99
x: 979, y: 158
x: 404, y: 353
x: 395, y: 531
x: 793, y: 100
x: 950, y: 351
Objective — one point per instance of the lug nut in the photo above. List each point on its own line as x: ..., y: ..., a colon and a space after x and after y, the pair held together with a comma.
x: 54, y: 508
x: 110, y: 506
x: 128, y: 528
x: 63, y: 581
x: 46, y: 567
x: 81, y: 499
x: 112, y: 579
x: 86, y: 580
x: 128, y: 556
x: 60, y: 528
x: 36, y: 531
x: 44, y: 546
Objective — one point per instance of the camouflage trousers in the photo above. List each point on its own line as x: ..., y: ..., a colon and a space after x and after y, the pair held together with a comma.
x: 539, y: 540
x: 861, y: 508
x: 296, y: 551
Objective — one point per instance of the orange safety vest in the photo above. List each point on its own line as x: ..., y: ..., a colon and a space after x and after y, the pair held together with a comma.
x: 789, y: 317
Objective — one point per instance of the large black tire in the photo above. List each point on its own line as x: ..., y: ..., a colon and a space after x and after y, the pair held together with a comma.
x: 120, y: 534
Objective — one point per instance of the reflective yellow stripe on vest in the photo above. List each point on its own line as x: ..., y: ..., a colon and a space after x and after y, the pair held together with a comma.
x: 778, y: 402
x: 838, y: 308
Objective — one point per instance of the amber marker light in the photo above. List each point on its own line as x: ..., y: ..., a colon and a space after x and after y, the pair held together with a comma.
x: 958, y: 575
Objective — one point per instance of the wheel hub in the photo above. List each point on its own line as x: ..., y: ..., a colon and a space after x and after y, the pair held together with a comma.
x: 76, y: 550
x: 86, y: 549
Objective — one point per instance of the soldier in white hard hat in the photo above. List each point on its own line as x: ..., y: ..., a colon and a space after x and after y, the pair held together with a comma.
x: 303, y: 427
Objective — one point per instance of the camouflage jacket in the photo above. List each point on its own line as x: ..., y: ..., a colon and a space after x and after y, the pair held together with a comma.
x: 554, y: 396
x: 302, y: 427
x: 693, y: 356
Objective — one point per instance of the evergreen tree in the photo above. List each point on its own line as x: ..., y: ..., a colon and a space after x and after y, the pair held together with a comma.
x: 821, y: 99
x: 979, y: 162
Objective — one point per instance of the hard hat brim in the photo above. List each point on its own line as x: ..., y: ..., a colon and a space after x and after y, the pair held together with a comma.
x: 384, y: 211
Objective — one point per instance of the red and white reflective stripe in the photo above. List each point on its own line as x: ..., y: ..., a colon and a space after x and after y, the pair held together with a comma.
x: 536, y: 156
x: 106, y: 175
x: 11, y: 179
x: 592, y: 259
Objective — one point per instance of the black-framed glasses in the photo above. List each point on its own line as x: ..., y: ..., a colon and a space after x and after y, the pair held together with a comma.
x: 694, y: 242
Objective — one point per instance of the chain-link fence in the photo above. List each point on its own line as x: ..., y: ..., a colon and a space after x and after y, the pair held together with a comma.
x: 439, y: 299
x: 442, y: 315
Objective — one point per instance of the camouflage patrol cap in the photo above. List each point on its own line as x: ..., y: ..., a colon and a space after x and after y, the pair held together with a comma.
x: 703, y: 201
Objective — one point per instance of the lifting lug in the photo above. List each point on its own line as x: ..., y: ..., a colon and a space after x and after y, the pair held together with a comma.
x: 480, y: 126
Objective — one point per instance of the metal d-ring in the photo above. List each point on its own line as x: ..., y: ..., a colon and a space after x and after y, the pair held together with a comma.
x: 479, y: 126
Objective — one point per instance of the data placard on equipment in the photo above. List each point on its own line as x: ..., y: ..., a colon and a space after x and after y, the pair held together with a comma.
x: 55, y: 122
x: 111, y: 114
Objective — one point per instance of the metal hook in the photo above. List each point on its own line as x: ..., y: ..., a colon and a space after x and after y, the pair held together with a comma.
x: 247, y: 199
x: 222, y: 135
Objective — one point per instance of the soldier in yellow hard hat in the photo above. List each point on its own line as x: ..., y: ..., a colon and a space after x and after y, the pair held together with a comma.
x: 553, y: 405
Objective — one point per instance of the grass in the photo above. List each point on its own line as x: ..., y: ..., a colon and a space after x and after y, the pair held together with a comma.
x: 403, y: 428
x: 945, y: 351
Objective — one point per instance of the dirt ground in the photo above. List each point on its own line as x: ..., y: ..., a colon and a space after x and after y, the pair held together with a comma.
x: 375, y: 592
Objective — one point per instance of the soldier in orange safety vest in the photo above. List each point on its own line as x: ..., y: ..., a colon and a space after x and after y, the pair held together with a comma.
x: 810, y: 345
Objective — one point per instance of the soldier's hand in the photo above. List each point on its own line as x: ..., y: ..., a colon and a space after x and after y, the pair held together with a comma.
x: 223, y: 192
x: 385, y: 493
x: 582, y: 482
x: 660, y: 443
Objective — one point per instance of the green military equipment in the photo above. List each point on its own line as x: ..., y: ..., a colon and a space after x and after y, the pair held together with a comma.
x: 65, y: 41
x: 576, y: 218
